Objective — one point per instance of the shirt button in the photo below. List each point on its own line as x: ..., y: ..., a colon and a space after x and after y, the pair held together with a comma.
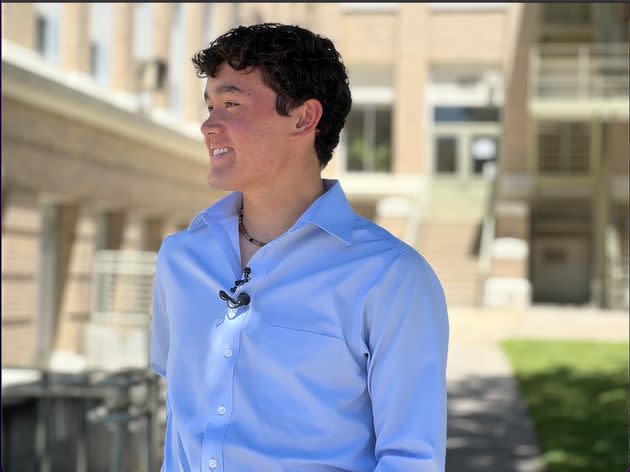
x: 221, y: 410
x: 213, y: 464
x: 228, y: 352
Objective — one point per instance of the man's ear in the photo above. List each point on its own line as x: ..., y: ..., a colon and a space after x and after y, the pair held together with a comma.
x: 308, y: 115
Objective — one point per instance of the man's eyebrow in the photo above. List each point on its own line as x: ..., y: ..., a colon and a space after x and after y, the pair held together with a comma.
x: 224, y: 88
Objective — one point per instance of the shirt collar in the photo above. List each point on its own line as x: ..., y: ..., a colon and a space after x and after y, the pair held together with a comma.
x: 331, y: 212
x: 226, y: 207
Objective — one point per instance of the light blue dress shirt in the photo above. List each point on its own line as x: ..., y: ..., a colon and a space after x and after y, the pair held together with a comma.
x: 337, y: 363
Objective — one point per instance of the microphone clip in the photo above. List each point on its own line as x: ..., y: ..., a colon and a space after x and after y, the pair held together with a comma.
x: 246, y: 278
x: 242, y: 300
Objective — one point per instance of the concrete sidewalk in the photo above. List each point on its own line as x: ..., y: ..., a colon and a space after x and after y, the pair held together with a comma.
x: 488, y: 428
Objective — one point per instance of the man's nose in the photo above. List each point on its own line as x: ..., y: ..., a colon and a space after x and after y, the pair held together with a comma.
x: 210, y: 125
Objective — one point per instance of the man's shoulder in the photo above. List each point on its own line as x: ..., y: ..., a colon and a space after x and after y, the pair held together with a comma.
x: 367, y: 232
x: 175, y: 242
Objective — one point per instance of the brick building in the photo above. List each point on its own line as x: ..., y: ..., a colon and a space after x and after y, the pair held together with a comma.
x: 463, y: 140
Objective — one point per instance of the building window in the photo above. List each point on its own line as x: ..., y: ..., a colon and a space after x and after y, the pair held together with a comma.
x: 455, y: 114
x: 100, y: 21
x: 483, y: 152
x: 567, y: 14
x: 142, y: 51
x: 176, y: 64
x: 369, y: 138
x: 563, y: 148
x: 47, y: 29
x: 142, y: 31
x: 446, y: 154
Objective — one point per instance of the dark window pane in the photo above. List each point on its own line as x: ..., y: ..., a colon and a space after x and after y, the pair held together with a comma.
x: 483, y: 150
x: 383, y: 140
x: 369, y: 137
x: 40, y: 30
x: 356, y: 143
x: 458, y: 114
x: 95, y: 59
x: 446, y: 155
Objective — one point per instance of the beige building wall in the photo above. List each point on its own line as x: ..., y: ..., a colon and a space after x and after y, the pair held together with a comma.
x: 123, y: 72
x: 74, y: 43
x: 17, y: 24
x: 368, y: 38
x: 410, y: 80
x: 466, y: 37
x: 517, y: 132
x: 21, y: 226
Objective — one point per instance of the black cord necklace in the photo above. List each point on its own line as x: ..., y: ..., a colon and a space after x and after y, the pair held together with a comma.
x: 243, y: 231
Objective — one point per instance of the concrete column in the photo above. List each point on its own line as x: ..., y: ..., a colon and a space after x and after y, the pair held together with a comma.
x: 46, y: 284
x: 161, y: 37
x: 600, y: 205
x: 75, y: 43
x: 410, y: 79
x: 123, y: 67
x: 522, y: 35
x: 57, y: 236
x: 194, y: 19
x: 151, y: 234
x: 18, y: 23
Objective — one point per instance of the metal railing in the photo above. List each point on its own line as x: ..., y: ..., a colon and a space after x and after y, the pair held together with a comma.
x: 617, y: 273
x: 488, y: 232
x: 117, y: 335
x: 115, y: 407
x: 579, y: 71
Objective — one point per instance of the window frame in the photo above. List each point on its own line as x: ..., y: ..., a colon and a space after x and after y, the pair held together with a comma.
x: 51, y: 16
x: 100, y: 32
x: 367, y: 96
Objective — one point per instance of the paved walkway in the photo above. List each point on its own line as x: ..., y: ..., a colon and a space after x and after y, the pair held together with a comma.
x: 488, y: 429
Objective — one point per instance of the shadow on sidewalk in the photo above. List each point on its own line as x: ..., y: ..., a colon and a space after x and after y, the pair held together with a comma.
x: 488, y: 429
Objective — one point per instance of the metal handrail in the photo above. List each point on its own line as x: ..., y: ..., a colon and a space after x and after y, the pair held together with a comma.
x: 487, y: 236
x: 116, y: 410
x: 587, y: 71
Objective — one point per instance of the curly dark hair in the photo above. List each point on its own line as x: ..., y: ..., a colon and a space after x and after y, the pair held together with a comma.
x: 296, y: 64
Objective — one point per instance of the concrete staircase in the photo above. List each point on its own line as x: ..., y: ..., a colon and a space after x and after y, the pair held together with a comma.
x: 451, y: 249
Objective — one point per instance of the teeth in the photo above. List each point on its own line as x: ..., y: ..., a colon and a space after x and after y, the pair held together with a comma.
x: 218, y: 151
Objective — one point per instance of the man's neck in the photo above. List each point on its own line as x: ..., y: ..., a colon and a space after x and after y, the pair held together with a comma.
x: 270, y: 211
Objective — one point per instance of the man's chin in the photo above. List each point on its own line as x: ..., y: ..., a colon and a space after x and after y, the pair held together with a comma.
x: 221, y: 184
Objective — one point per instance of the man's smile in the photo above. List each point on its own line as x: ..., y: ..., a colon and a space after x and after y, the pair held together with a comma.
x: 220, y: 151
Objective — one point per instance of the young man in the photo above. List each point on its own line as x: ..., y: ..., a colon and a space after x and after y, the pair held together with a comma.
x: 294, y: 334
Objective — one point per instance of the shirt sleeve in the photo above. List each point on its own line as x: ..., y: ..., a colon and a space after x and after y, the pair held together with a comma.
x: 406, y: 330
x: 159, y: 327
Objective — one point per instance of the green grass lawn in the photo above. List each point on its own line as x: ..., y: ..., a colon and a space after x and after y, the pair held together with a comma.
x: 577, y: 398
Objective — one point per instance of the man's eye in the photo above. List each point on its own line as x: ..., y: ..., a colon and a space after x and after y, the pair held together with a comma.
x: 230, y: 104
x: 209, y: 108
